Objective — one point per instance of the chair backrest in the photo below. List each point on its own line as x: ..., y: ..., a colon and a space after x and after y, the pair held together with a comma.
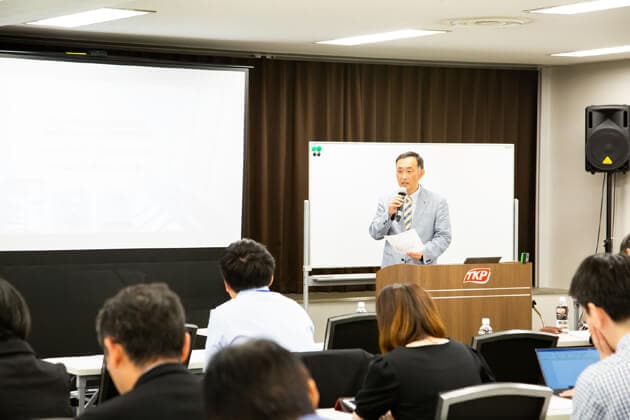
x: 337, y: 373
x: 511, y: 354
x: 500, y: 400
x: 107, y: 390
x: 352, y: 331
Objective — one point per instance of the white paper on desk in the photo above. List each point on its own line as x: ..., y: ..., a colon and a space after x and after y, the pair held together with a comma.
x: 405, y: 241
x: 560, y: 405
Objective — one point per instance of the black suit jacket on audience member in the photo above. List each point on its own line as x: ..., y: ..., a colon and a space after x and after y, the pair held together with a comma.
x: 29, y: 387
x: 164, y: 392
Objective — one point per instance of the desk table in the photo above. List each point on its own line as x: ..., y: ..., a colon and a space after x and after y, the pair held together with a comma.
x: 86, y: 367
x: 573, y: 338
x: 332, y: 414
x: 559, y: 408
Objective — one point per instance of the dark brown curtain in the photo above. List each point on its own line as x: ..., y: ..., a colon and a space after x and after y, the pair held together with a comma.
x: 293, y: 102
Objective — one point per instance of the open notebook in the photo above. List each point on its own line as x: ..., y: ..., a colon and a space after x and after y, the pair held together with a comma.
x: 561, y: 366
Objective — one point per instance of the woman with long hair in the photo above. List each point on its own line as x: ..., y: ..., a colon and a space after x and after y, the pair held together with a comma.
x: 418, y: 360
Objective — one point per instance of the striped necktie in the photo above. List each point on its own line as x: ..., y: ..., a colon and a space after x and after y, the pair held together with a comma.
x: 407, y: 212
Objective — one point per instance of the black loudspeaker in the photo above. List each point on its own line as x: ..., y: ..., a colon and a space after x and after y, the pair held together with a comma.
x: 607, y: 138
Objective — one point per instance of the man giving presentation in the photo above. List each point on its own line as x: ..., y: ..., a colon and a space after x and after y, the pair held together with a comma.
x: 412, y: 207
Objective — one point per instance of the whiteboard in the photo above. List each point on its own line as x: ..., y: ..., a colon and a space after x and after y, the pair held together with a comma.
x: 346, y: 180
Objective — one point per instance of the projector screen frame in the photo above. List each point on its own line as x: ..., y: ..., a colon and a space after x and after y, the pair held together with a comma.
x: 123, y: 255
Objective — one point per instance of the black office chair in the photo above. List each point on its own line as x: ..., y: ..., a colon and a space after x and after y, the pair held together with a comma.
x: 192, y: 330
x: 337, y: 373
x: 500, y: 401
x: 511, y: 354
x: 107, y: 390
x: 352, y: 331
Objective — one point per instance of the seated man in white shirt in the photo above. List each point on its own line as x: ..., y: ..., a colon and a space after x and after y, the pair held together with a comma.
x: 253, y: 310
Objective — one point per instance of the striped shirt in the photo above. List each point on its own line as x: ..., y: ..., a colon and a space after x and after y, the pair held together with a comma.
x: 603, y: 389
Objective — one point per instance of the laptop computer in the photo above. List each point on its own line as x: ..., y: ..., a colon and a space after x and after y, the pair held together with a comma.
x: 481, y: 260
x: 561, y: 366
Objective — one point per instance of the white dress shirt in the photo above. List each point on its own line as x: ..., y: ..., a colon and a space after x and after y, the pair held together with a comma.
x: 414, y: 199
x: 259, y: 313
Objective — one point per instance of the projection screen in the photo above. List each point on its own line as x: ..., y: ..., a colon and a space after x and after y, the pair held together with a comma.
x: 97, y: 155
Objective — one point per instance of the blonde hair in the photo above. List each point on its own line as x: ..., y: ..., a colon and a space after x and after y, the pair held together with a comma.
x: 406, y: 313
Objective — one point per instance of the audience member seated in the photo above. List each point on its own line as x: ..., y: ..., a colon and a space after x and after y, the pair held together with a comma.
x: 258, y: 380
x: 29, y: 387
x: 418, y: 361
x: 254, y: 311
x: 142, y: 332
x: 601, y: 286
x: 624, y: 248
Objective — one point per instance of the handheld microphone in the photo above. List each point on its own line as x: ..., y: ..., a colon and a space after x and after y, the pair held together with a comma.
x: 399, y: 211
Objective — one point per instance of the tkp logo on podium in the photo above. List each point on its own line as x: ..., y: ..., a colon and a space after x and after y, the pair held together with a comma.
x: 478, y: 276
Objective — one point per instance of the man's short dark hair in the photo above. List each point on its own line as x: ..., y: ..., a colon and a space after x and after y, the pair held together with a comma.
x: 414, y: 155
x: 256, y: 380
x: 247, y: 264
x: 604, y: 280
x: 15, y: 318
x: 148, y: 320
x: 625, y: 244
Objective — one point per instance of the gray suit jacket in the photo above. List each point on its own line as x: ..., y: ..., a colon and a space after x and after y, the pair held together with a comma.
x: 430, y: 220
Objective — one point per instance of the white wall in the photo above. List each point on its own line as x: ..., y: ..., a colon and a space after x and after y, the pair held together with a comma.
x: 568, y: 196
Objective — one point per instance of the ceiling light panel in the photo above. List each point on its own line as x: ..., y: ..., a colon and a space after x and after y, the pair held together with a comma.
x: 89, y: 18
x: 583, y: 7
x: 599, y: 51
x: 381, y: 37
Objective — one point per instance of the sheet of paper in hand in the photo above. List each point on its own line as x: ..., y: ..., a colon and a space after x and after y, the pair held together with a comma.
x: 405, y: 241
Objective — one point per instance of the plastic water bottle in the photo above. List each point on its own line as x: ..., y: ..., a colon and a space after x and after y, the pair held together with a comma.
x: 562, y: 314
x: 361, y: 308
x: 485, y: 328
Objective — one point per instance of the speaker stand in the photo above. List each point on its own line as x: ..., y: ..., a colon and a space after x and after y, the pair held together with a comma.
x: 610, y: 178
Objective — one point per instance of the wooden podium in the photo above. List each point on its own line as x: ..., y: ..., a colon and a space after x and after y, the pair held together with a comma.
x: 465, y: 293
